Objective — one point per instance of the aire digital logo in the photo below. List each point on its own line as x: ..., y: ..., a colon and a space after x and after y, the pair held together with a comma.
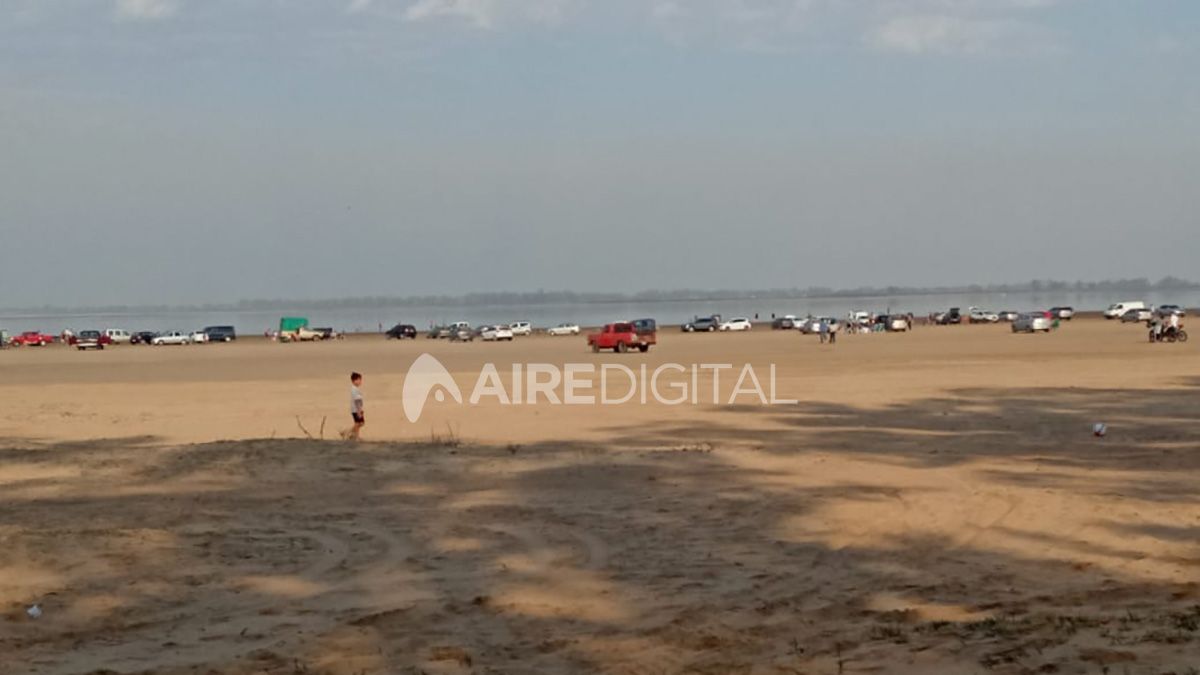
x: 592, y: 384
x: 426, y: 375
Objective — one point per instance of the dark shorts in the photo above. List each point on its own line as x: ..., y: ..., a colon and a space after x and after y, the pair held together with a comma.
x: 359, y: 418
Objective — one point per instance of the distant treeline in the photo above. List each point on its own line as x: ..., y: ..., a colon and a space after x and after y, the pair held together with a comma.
x: 542, y: 297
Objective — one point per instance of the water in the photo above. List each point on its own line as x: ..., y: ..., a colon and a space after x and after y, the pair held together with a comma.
x: 368, y: 319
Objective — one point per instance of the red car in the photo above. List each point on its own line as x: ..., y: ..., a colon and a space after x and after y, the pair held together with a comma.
x: 32, y: 338
x: 625, y: 335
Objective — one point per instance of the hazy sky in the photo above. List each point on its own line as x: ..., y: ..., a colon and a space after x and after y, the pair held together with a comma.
x: 209, y: 150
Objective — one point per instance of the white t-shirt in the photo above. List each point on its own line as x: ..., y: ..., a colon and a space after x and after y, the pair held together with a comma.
x: 356, y: 400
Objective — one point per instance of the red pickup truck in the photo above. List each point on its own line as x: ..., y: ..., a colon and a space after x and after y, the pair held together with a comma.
x: 32, y: 338
x: 625, y: 335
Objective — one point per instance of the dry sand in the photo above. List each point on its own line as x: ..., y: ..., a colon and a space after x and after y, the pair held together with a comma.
x: 934, y: 503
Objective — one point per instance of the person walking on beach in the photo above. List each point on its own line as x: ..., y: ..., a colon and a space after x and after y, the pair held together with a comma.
x: 823, y: 329
x: 357, y: 411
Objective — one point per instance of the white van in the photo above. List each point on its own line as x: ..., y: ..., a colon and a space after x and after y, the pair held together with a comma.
x: 118, y: 337
x: 1115, y: 311
x: 521, y: 328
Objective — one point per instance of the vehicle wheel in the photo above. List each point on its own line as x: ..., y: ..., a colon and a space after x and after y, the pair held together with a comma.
x: 643, y: 348
x: 1181, y: 336
x: 621, y: 348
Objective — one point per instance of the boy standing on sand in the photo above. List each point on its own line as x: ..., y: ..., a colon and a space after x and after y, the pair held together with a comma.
x: 356, y: 407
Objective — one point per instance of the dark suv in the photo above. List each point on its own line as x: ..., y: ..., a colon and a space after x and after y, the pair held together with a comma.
x: 706, y: 323
x: 142, y: 337
x: 220, y: 333
x: 402, y: 331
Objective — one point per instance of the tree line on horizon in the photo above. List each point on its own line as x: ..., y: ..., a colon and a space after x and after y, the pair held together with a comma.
x: 543, y: 297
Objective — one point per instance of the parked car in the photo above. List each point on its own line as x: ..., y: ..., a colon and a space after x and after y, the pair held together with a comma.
x: 812, y: 325
x: 32, y: 338
x: 1008, y: 315
x: 702, y: 324
x: 564, y: 329
x: 1168, y: 310
x: 1063, y: 312
x: 623, y: 336
x: 893, y: 323
x: 1117, y: 310
x: 462, y: 334
x: 302, y: 334
x: 173, y: 337
x: 142, y: 337
x: 737, y: 324
x: 977, y: 315
x: 497, y: 333
x: 1031, y: 322
x: 327, y: 333
x: 118, y: 336
x: 401, y: 331
x: 861, y: 318
x: 1137, y: 315
x: 786, y: 322
x: 90, y: 339
x: 198, y: 337
x: 954, y: 316
x: 221, y: 333
x: 521, y: 328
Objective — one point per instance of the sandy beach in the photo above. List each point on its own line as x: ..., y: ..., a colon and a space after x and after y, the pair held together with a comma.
x: 933, y: 502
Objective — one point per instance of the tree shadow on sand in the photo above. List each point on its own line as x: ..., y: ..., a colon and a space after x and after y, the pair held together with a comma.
x: 708, y: 548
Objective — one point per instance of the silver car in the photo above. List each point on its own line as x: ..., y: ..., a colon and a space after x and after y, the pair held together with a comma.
x: 1031, y: 322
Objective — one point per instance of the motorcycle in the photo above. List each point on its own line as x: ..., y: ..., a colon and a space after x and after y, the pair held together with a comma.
x: 1169, y: 335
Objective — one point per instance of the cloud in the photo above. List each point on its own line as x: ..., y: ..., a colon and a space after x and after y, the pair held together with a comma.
x: 146, y: 10
x: 949, y: 34
x: 486, y: 13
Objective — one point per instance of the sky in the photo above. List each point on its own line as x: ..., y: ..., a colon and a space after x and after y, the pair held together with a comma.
x: 190, y: 151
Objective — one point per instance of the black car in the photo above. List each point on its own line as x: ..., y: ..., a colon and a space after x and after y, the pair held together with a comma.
x: 783, y: 323
x: 402, y: 331
x: 142, y: 337
x: 220, y: 333
x: 705, y: 323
